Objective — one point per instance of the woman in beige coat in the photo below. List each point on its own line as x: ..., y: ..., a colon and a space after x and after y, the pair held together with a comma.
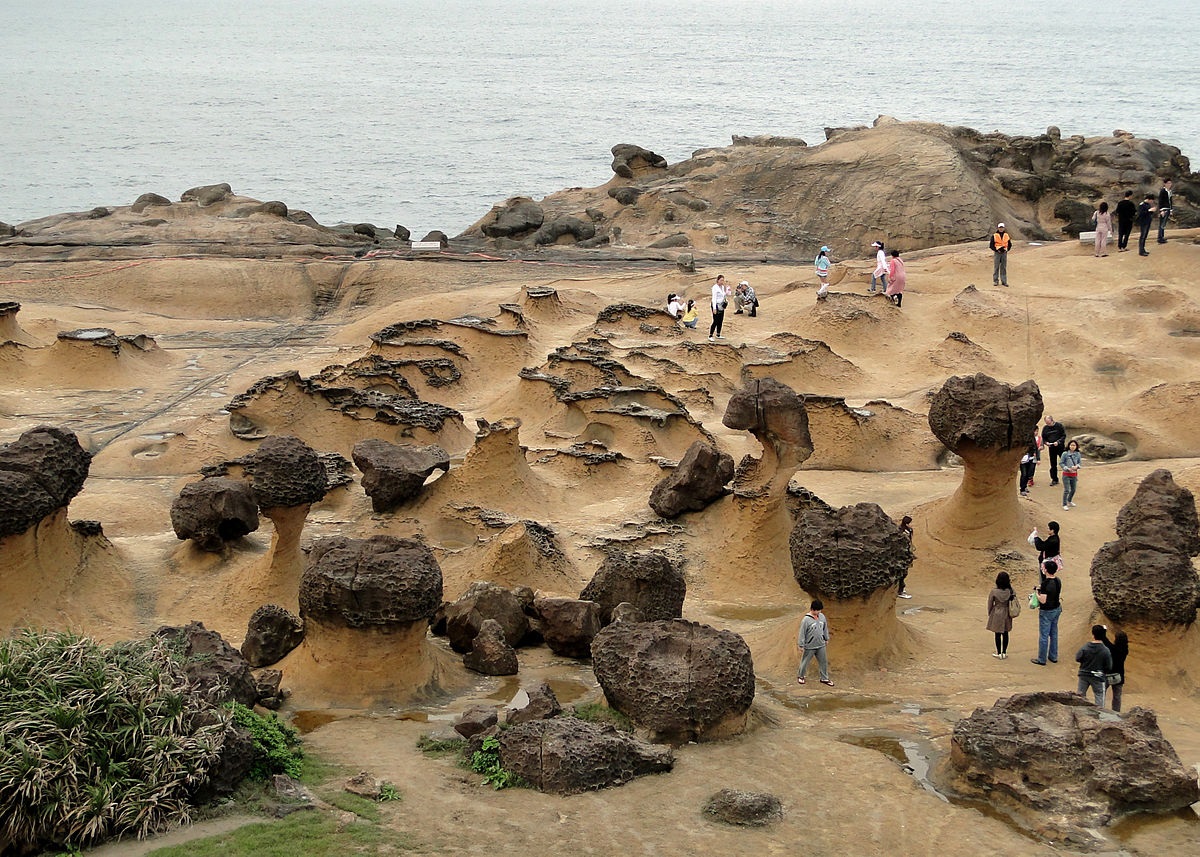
x: 999, y: 621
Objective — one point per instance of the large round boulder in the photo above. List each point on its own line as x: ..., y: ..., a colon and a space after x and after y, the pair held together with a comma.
x: 271, y: 633
x: 515, y: 219
x: 645, y: 579
x: 1161, y: 512
x: 677, y: 681
x: 214, y: 511
x: 40, y: 472
x: 698, y: 480
x: 852, y: 552
x: 977, y: 411
x: 285, y: 471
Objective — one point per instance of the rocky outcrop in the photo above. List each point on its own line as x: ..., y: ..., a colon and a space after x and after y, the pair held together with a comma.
x: 698, y: 480
x: 516, y: 218
x: 850, y: 553
x: 380, y: 581
x: 534, y: 703
x: 1054, y: 759
x: 271, y: 633
x: 743, y: 809
x: 646, y: 579
x: 630, y: 161
x: 1146, y: 576
x: 481, y: 602
x: 217, y: 670
x: 490, y: 653
x: 776, y: 416
x: 214, y: 512
x: 40, y: 472
x: 565, y: 755
x: 568, y: 625
x: 395, y: 474
x: 285, y: 472
x: 677, y: 681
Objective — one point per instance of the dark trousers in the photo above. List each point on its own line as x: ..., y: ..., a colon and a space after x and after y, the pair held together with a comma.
x: 1002, y: 643
x: 718, y: 320
x: 1055, y: 453
x: 1027, y: 470
x: 1162, y: 225
x: 1142, y: 239
x: 1124, y: 230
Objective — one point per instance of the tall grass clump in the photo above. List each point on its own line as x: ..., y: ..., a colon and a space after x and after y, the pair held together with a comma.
x: 97, y: 742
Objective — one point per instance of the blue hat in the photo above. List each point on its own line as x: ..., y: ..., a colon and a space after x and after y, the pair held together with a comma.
x: 824, y: 249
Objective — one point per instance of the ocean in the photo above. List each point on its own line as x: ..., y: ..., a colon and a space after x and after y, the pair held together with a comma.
x: 427, y: 113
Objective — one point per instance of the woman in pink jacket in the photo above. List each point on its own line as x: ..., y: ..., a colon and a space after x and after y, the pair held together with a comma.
x: 896, y: 278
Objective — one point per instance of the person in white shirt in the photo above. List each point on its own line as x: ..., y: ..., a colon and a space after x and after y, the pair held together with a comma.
x: 881, y: 268
x: 674, y: 305
x: 720, y: 300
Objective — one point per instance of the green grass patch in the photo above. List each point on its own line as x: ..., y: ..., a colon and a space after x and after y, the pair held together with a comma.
x: 311, y: 833
x: 365, y: 809
x: 594, y: 712
x: 431, y: 746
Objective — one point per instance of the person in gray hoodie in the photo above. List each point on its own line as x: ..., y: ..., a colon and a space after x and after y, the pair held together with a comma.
x: 814, y: 637
x: 1095, y: 662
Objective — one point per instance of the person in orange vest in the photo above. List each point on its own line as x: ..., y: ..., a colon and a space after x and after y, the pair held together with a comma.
x: 999, y: 245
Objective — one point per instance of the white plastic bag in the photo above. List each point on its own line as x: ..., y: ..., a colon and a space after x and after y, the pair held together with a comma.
x: 1032, y: 536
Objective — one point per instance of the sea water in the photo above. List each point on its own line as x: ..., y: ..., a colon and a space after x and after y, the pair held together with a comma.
x: 427, y: 112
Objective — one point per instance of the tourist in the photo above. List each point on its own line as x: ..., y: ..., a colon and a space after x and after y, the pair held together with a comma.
x: 1070, y: 462
x: 1048, y: 548
x: 814, y: 637
x: 896, y: 278
x: 1049, y: 597
x: 1103, y: 221
x: 1054, y: 439
x: 1126, y: 213
x: 743, y: 297
x: 720, y: 300
x: 1095, y: 663
x: 1119, y: 648
x: 881, y: 267
x: 1028, y: 466
x: 1145, y: 218
x: 690, y: 315
x: 674, y: 307
x: 1164, y: 210
x: 821, y: 263
x: 1000, y: 244
x: 906, y: 530
x: 1000, y: 614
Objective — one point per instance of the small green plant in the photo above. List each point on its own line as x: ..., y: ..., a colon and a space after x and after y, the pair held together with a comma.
x: 486, y: 761
x: 431, y: 746
x: 364, y: 808
x: 388, y: 792
x: 276, y: 744
x: 594, y: 712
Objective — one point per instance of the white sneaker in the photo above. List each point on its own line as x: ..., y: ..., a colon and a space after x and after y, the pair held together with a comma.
x: 710, y: 339
x: 1066, y: 508
x: 997, y: 655
x: 1072, y: 502
x: 904, y: 595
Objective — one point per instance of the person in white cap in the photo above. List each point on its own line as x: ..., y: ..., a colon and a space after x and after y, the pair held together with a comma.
x: 1000, y: 243
x: 744, y: 298
x: 821, y: 263
x: 881, y: 268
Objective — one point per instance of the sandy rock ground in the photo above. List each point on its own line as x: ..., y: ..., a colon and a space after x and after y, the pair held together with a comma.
x: 1113, y: 344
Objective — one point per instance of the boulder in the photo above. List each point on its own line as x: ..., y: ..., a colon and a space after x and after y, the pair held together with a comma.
x: 383, y: 581
x: 40, y: 472
x: 515, y: 219
x: 630, y: 160
x: 777, y: 417
x: 567, y: 756
x: 698, y: 480
x: 146, y: 200
x: 395, y: 474
x: 490, y: 653
x: 577, y: 228
x: 285, y: 471
x: 270, y: 694
x: 476, y: 719
x: 1056, y: 757
x: 271, y: 633
x: 207, y: 195
x: 849, y: 553
x: 744, y: 809
x: 540, y: 703
x: 215, y: 511
x: 483, y: 601
x: 568, y: 625
x: 1101, y: 448
x: 1161, y: 513
x: 234, y: 759
x: 364, y: 785
x: 677, y: 681
x: 645, y: 579
x: 217, y: 670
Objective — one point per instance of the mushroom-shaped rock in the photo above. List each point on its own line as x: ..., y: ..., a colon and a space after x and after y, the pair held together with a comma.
x: 394, y: 474
x: 217, y: 669
x: 698, y: 480
x: 568, y: 625
x: 775, y: 414
x: 214, y: 511
x: 677, y: 681
x: 535, y: 703
x: 490, y: 653
x: 40, y: 472
x: 565, y: 755
x: 988, y: 424
x: 285, y: 471
x: 849, y: 553
x: 271, y: 633
x: 630, y: 160
x: 1146, y: 576
x: 1055, y: 756
x: 646, y: 579
x: 744, y: 809
x: 380, y: 581
x: 516, y: 218
x: 483, y: 601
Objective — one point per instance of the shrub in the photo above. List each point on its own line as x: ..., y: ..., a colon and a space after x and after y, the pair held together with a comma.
x: 97, y: 742
x: 486, y: 761
x: 276, y: 744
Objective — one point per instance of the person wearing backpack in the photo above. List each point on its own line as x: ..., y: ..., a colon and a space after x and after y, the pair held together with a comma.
x: 1002, y: 606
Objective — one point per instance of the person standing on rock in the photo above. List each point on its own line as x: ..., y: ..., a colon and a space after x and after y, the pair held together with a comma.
x: 1165, y: 203
x: 821, y: 263
x: 1095, y: 662
x: 999, y: 616
x: 897, y: 278
x: 1103, y: 221
x: 1118, y: 647
x: 1070, y: 462
x: 881, y: 268
x: 1000, y: 244
x: 1054, y: 439
x: 720, y: 300
x: 1049, y: 596
x: 814, y: 637
x: 906, y: 530
x: 1126, y: 214
x: 1145, y: 219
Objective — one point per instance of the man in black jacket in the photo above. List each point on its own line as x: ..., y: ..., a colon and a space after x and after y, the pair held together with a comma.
x: 1145, y: 218
x: 1164, y: 210
x: 1095, y: 662
x: 1054, y: 439
x: 1126, y: 212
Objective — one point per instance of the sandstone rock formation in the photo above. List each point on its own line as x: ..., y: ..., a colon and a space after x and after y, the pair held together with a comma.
x: 394, y: 474
x: 677, y: 681
x: 645, y: 579
x: 989, y: 425
x: 698, y: 480
x: 490, y: 653
x: 481, y: 602
x: 285, y: 472
x: 850, y: 553
x: 40, y: 472
x: 1146, y: 577
x: 539, y: 703
x: 271, y: 633
x: 213, y: 512
x: 565, y: 755
x: 745, y: 809
x: 777, y: 418
x: 1054, y: 759
x: 568, y: 625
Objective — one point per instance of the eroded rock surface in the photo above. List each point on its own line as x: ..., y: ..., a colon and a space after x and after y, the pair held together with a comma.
x: 394, y: 474
x: 380, y: 581
x: 568, y: 625
x: 849, y: 553
x: 483, y: 601
x: 745, y: 809
x: 215, y: 511
x: 698, y: 480
x: 217, y: 669
x: 285, y: 471
x: 646, y: 579
x: 490, y: 653
x: 271, y: 633
x: 40, y: 472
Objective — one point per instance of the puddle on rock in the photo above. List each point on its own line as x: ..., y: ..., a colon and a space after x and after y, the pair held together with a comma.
x: 565, y: 690
x: 911, y: 755
x: 308, y: 720
x: 750, y: 613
